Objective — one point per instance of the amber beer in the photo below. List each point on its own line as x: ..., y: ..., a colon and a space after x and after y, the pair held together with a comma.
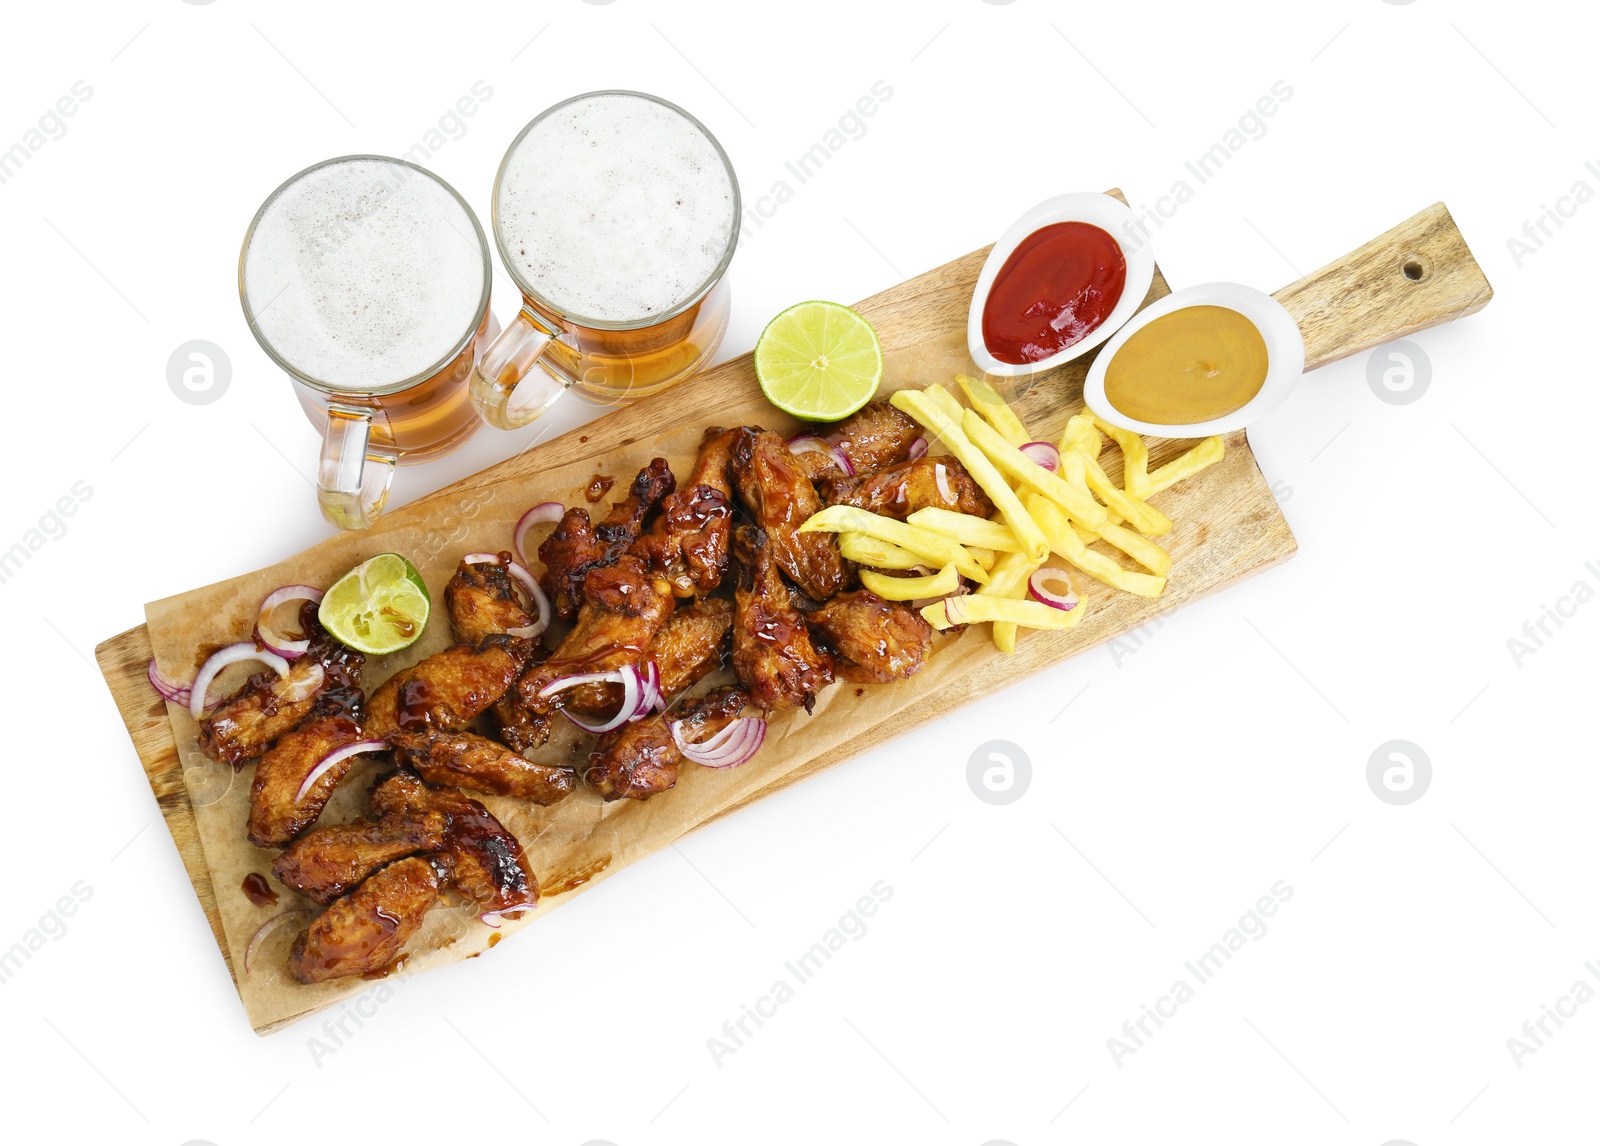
x: 367, y: 279
x: 616, y: 213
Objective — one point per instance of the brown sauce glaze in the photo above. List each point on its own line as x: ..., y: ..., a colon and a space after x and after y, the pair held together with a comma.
x: 258, y: 891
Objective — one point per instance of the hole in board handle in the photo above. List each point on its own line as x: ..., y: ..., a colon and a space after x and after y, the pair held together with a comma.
x: 1415, y: 267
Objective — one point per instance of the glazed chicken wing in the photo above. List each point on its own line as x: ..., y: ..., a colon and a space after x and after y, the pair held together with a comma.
x: 640, y: 759
x: 468, y: 760
x: 689, y: 541
x: 483, y: 601
x: 329, y: 861
x: 246, y: 724
x: 276, y: 817
x: 692, y: 643
x: 442, y: 692
x: 576, y: 546
x: 781, y: 498
x: 772, y: 650
x: 876, y: 437
x: 368, y: 929
x: 876, y: 641
x: 486, y: 862
x: 901, y: 490
x: 517, y: 725
x: 624, y: 606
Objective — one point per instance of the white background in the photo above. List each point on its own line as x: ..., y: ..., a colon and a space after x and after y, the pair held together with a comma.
x: 1225, y: 754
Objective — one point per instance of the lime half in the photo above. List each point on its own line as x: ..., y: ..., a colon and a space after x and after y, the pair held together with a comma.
x: 381, y: 606
x: 819, y: 361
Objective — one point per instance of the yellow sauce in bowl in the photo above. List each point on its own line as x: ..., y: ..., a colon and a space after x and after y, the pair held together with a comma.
x: 1192, y: 365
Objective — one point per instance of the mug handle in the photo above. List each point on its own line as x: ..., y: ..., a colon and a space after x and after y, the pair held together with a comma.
x: 351, y: 491
x: 506, y: 390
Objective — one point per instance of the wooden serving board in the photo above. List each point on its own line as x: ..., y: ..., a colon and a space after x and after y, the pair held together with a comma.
x: 1228, y: 524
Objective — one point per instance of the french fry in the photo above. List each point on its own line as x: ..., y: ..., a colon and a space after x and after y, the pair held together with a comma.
x: 944, y: 401
x: 1065, y: 541
x: 946, y: 580
x: 1014, y: 462
x: 870, y: 551
x: 985, y: 399
x: 924, y: 410
x: 966, y: 529
x: 933, y: 548
x: 1008, y: 578
x: 1143, y: 516
x: 1141, y: 549
x: 984, y: 557
x: 1135, y: 459
x: 973, y: 609
x: 1187, y: 464
x: 1081, y: 435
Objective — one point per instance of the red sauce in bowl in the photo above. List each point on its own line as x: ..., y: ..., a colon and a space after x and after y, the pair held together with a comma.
x: 1054, y: 290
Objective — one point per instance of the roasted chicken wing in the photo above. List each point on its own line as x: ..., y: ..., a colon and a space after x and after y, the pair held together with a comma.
x: 483, y: 601
x: 901, y: 490
x: 692, y: 643
x: 876, y: 641
x: 772, y: 651
x: 575, y: 546
x: 276, y: 817
x: 486, y: 863
x: 468, y: 760
x: 689, y: 541
x: 442, y: 692
x: 876, y: 437
x: 327, y: 862
x: 624, y: 606
x: 640, y: 759
x: 246, y: 724
x: 518, y: 725
x: 781, y: 498
x: 367, y: 930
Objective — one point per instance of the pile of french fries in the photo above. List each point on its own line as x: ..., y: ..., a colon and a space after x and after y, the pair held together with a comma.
x: 1039, y: 513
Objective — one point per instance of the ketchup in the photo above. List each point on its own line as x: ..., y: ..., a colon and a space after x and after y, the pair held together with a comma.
x: 1060, y: 283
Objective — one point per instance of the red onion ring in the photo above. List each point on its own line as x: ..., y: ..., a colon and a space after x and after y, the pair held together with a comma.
x: 546, y: 512
x: 168, y: 688
x: 335, y: 757
x: 812, y: 444
x: 631, y: 708
x: 1038, y: 590
x: 287, y: 649
x: 943, y: 482
x: 919, y: 446
x: 492, y: 918
x: 731, y: 747
x: 221, y: 659
x: 266, y: 929
x: 1042, y: 454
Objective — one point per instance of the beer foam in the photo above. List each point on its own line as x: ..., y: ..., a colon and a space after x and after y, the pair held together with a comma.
x: 364, y: 273
x: 615, y: 208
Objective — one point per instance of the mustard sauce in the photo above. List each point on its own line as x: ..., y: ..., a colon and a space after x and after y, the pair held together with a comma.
x: 1192, y: 365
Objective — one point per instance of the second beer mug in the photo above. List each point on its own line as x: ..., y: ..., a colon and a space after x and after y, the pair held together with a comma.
x: 617, y: 214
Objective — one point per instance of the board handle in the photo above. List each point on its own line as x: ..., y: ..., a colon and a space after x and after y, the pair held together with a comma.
x: 1414, y: 276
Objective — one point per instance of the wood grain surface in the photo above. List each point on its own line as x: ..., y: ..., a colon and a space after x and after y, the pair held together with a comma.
x: 1230, y: 524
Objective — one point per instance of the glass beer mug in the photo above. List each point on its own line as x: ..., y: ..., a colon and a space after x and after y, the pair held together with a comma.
x: 616, y: 214
x: 367, y: 280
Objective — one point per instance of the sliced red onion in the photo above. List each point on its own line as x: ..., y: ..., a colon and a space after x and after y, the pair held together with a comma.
x: 493, y: 918
x: 731, y: 747
x: 530, y: 585
x: 812, y: 444
x: 943, y: 482
x: 285, y: 648
x: 1042, y: 454
x: 306, y: 687
x: 919, y: 446
x: 631, y: 708
x: 337, y: 756
x: 545, y: 513
x: 481, y: 559
x: 169, y: 689
x: 221, y: 659
x: 1039, y: 588
x: 651, y: 698
x: 267, y: 929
